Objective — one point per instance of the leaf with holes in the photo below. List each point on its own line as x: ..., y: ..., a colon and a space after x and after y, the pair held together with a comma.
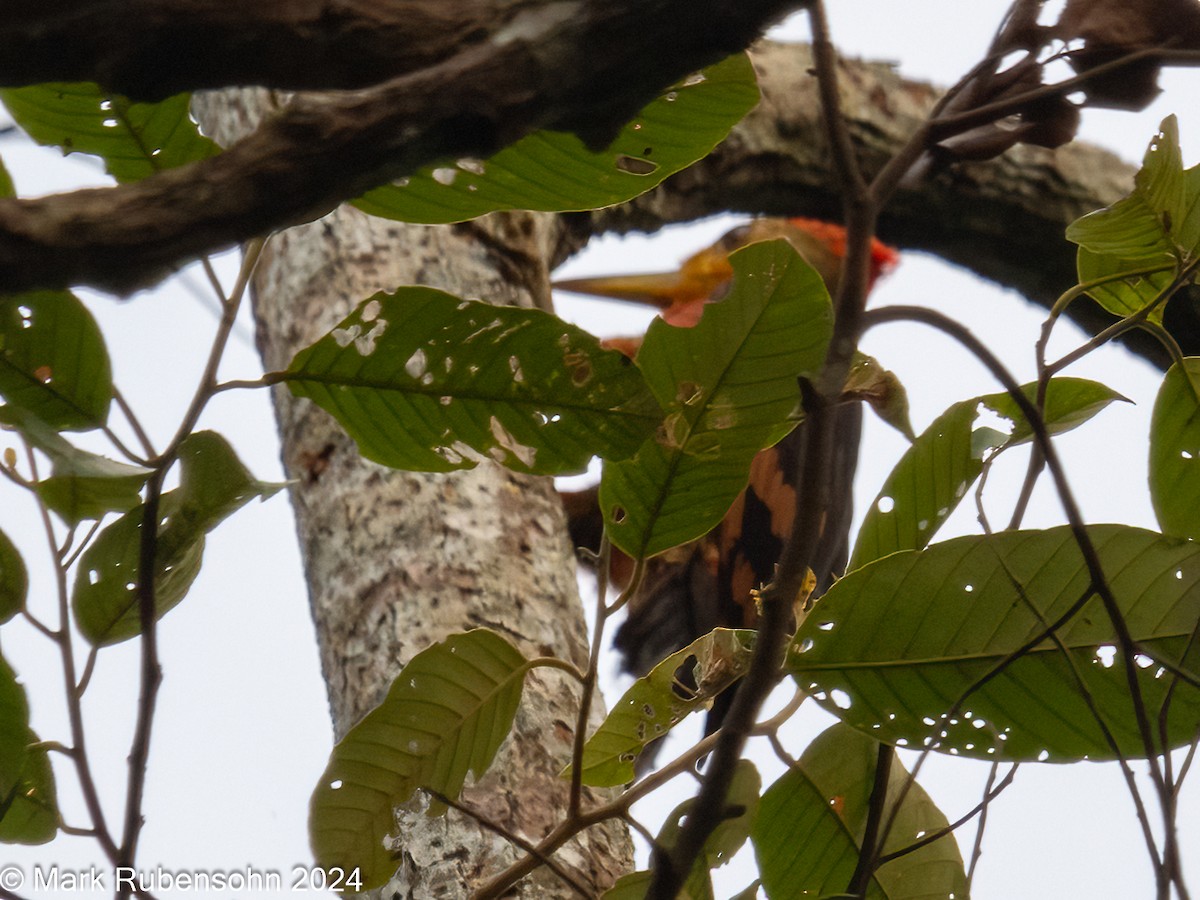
x: 555, y: 172
x: 445, y: 715
x: 657, y: 701
x: 1175, y: 450
x: 812, y: 821
x: 424, y: 381
x: 28, y: 805
x: 53, y: 362
x: 950, y: 647
x: 14, y: 579
x: 729, y: 386
x: 1147, y: 224
x: 134, y: 139
x: 939, y: 468
x: 213, y: 485
x: 81, y: 485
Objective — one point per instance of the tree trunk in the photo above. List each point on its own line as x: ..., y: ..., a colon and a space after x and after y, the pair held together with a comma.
x: 398, y: 560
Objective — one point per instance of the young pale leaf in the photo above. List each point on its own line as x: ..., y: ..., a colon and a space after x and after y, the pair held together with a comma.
x: 424, y: 381
x: 446, y: 714
x: 213, y: 485
x: 53, y: 362
x: 81, y: 485
x: 939, y: 468
x: 133, y: 139
x: 870, y: 382
x: 918, y: 648
x: 657, y: 701
x: 812, y: 822
x: 14, y: 579
x: 730, y: 389
x: 555, y: 172
x: 28, y: 811
x: 1175, y: 451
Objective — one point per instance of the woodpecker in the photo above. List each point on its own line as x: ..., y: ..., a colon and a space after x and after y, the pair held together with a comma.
x: 688, y: 591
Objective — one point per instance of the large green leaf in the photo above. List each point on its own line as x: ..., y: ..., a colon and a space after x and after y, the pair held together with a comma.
x: 446, y: 714
x: 426, y: 381
x: 1175, y: 450
x: 939, y: 468
x: 555, y: 172
x: 14, y: 579
x: 53, y: 362
x: 657, y: 701
x: 133, y: 139
x: 28, y: 808
x: 81, y: 485
x: 213, y: 485
x: 916, y: 648
x: 812, y: 822
x: 730, y: 389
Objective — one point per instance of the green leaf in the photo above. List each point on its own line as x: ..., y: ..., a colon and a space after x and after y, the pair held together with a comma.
x: 81, y: 485
x: 812, y: 822
x: 657, y: 701
x: 28, y: 811
x: 6, y: 182
x: 14, y: 579
x: 555, y: 172
x: 213, y: 485
x: 1175, y: 450
x: 730, y: 389
x: 1129, y: 295
x: 1139, y: 227
x: 53, y: 362
x: 422, y: 380
x: 741, y: 804
x: 939, y: 468
x: 916, y: 648
x: 133, y: 139
x: 446, y: 714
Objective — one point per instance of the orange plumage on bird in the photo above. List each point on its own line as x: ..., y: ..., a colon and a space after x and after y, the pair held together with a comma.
x: 688, y: 591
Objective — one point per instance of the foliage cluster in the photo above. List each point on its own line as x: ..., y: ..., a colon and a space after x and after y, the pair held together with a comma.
x: 1014, y: 646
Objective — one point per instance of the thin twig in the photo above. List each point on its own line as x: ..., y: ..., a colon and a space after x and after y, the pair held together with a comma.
x: 980, y: 809
x: 1099, y: 582
x: 496, y: 828
x: 575, y: 798
x: 62, y: 637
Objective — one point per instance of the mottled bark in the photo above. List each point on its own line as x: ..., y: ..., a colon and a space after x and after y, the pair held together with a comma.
x: 398, y: 560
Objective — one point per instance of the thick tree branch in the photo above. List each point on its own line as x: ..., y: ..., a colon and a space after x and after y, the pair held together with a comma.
x: 582, y: 67
x: 187, y: 45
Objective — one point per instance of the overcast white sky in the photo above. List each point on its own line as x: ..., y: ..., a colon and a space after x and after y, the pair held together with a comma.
x: 243, y: 732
